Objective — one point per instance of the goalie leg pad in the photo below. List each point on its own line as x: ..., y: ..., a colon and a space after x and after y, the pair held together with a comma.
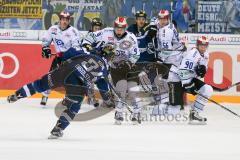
x: 132, y: 93
x: 145, y: 81
x: 176, y: 93
x: 161, y: 90
x: 121, y: 88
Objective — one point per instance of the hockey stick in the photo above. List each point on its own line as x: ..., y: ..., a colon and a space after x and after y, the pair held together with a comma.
x: 118, y: 96
x: 225, y: 108
x: 224, y: 89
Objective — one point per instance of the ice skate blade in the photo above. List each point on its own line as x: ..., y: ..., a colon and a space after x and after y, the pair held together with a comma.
x: 197, y: 123
x: 135, y: 122
x: 118, y: 122
x: 53, y: 137
x: 43, y: 103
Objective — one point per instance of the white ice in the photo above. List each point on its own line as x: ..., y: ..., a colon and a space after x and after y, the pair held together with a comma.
x: 25, y: 126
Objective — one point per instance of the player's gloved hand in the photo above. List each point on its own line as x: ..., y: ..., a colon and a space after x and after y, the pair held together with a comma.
x: 88, y: 47
x: 190, y: 88
x: 201, y: 70
x: 46, y: 52
x: 152, y: 30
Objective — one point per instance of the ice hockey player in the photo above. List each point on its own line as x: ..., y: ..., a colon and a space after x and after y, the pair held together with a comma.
x: 145, y: 42
x: 169, y: 50
x: 193, y: 67
x: 63, y: 36
x: 96, y: 25
x: 75, y: 75
x: 127, y: 53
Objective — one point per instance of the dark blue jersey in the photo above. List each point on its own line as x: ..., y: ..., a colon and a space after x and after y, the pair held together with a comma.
x: 77, y: 73
x: 145, y: 43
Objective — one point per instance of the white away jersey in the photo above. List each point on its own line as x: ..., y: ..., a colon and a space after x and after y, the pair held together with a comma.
x: 188, y: 64
x: 167, y: 36
x: 126, y: 47
x: 62, y: 40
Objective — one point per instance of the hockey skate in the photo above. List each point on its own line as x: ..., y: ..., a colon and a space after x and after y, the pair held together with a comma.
x: 13, y: 98
x: 195, y: 119
x: 44, y: 100
x: 56, y: 133
x: 136, y: 118
x: 118, y: 118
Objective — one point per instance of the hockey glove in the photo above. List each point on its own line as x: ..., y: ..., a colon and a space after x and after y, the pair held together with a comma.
x: 46, y: 52
x: 152, y: 30
x: 88, y: 47
x: 200, y: 70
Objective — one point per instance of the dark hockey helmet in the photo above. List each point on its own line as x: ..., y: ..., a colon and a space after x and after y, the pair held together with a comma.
x: 141, y: 13
x: 108, y: 50
x: 96, y: 22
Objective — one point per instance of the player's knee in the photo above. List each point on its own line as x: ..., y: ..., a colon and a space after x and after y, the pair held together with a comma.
x: 206, y: 90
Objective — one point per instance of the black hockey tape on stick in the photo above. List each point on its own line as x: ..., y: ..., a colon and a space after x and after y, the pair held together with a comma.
x: 225, y: 108
x: 224, y: 89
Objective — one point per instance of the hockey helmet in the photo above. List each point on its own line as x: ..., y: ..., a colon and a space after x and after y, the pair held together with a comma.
x: 96, y: 22
x: 141, y: 13
x: 163, y: 14
x: 120, y: 22
x: 108, y: 50
x: 202, y: 40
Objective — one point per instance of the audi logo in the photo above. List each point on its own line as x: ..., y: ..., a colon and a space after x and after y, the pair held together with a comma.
x: 19, y: 34
x: 2, y: 65
x: 234, y: 39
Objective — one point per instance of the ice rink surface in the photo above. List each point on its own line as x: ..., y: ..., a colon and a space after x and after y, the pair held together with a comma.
x: 25, y: 127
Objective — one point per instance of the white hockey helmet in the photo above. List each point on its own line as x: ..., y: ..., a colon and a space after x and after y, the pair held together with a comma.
x: 163, y: 14
x: 202, y: 40
x: 120, y: 22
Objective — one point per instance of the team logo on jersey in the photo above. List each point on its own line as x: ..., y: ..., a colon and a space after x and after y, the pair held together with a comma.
x: 125, y: 44
x: 110, y: 38
x: 59, y: 42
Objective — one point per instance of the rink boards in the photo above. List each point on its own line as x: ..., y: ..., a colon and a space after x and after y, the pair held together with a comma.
x: 21, y: 62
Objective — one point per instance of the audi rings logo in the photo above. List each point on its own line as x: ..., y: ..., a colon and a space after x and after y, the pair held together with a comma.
x: 2, y: 65
x: 19, y: 34
x: 234, y: 39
